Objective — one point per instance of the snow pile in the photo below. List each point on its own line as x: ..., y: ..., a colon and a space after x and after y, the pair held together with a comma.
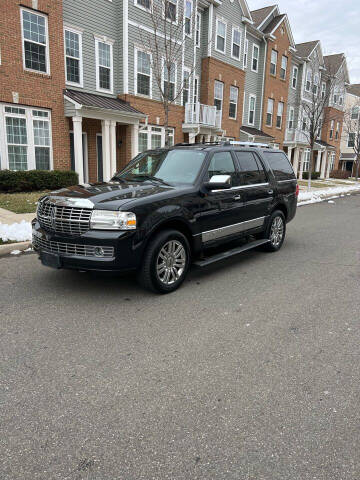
x: 17, y: 232
x: 315, y: 196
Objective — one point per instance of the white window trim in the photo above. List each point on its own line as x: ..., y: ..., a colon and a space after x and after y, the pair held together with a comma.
x: 282, y: 68
x: 175, y: 2
x: 293, y: 76
x: 291, y: 109
x: 257, y: 60
x: 348, y: 140
x: 149, y: 132
x: 246, y: 53
x: 77, y: 32
x: 308, y: 70
x: 196, y: 92
x: 189, y: 35
x: 221, y: 20
x: 272, y: 112
x: 236, y: 29
x: 107, y: 41
x: 163, y: 79
x: 222, y: 98
x: 282, y: 115
x: 136, y: 50
x: 47, y: 48
x: 250, y: 97
x: 198, y: 16
x: 236, y: 104
x: 272, y: 63
x: 144, y: 8
x: 186, y: 69
x: 4, y: 160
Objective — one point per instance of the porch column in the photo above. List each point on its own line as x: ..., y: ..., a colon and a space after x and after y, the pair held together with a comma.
x: 207, y: 138
x: 289, y: 152
x: 192, y: 137
x: 134, y: 140
x: 296, y: 161
x: 78, y: 148
x: 323, y: 164
x: 328, y: 166
x: 105, y: 124
x: 113, y: 166
x: 301, y: 164
x: 318, y: 161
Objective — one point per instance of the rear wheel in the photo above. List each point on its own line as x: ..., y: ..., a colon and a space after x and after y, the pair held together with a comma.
x: 166, y: 262
x: 275, y: 232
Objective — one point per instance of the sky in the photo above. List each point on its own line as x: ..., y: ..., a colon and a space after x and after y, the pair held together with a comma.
x: 335, y: 23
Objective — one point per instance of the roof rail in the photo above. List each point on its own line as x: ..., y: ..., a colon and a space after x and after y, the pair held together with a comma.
x: 247, y: 144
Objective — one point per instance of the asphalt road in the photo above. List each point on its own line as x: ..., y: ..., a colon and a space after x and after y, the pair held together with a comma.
x: 249, y: 372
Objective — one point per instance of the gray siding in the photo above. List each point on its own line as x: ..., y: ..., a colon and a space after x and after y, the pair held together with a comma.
x: 254, y: 81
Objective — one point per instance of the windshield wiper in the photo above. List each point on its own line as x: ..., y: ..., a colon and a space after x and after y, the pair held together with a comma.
x: 150, y: 178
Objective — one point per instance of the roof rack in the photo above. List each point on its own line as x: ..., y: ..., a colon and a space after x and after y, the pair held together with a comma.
x: 247, y: 144
x: 184, y: 144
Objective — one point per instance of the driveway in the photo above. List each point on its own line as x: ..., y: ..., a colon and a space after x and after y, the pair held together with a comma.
x: 249, y: 372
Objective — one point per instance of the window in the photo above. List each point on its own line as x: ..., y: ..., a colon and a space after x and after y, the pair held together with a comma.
x: 246, y: 52
x: 316, y: 84
x: 332, y: 124
x: 234, y: 94
x: 223, y: 164
x: 218, y: 94
x: 351, y: 140
x: 196, y: 90
x: 291, y: 118
x: 270, y: 112
x: 306, y: 160
x: 280, y: 165
x: 335, y: 99
x: 252, y: 105
x: 279, y: 116
x: 104, y: 65
x: 188, y: 15
x: 308, y: 80
x: 146, y: 4
x: 332, y: 162
x: 236, y: 43
x: 295, y: 75
x: 355, y: 113
x: 156, y: 137
x: 283, y: 69
x: 323, y: 90
x: 304, y: 123
x: 27, y: 138
x: 340, y: 100
x: 198, y: 29
x: 169, y: 81
x: 152, y: 137
x: 251, y: 169
x: 73, y: 57
x: 337, y: 131
x: 35, y: 41
x: 186, y: 86
x: 255, y: 58
x: 143, y: 73
x: 220, y: 36
x: 170, y: 10
x: 273, y: 62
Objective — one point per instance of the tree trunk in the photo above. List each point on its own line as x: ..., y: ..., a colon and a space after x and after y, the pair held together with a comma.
x: 166, y: 123
x: 311, y: 167
x: 357, y: 167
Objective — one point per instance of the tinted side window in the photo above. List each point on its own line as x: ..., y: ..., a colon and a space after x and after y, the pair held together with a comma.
x: 280, y: 165
x: 223, y: 164
x: 252, y: 172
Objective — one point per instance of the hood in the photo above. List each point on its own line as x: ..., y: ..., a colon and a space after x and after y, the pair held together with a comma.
x: 106, y: 196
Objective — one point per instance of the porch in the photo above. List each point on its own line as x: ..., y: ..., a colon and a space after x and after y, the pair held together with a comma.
x: 202, y: 122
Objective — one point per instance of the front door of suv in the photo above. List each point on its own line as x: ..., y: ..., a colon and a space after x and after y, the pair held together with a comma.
x: 255, y: 187
x: 221, y: 210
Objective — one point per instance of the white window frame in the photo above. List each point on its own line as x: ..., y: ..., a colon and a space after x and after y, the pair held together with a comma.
x: 332, y: 127
x: 323, y: 90
x: 163, y: 79
x: 198, y: 29
x: 284, y: 57
x: 233, y: 103
x: 246, y: 53
x: 195, y: 93
x: 220, y: 20
x: 316, y: 84
x: 308, y: 80
x: 189, y: 18
x: 255, y: 47
x: 282, y: 105
x: 271, y: 102
x: 291, y: 118
x: 155, y: 130
x: 47, y: 47
x: 236, y: 29
x: 174, y: 2
x: 272, y: 63
x: 353, y: 140
x: 295, y: 77
x: 337, y: 131
x: 222, y: 92
x: 188, y: 70
x: 136, y: 50
x: 79, y: 33
x: 251, y: 96
x: 142, y: 7
x: 109, y: 42
x: 29, y: 118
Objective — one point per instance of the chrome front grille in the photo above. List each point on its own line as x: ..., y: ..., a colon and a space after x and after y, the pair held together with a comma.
x: 71, y: 248
x: 63, y: 219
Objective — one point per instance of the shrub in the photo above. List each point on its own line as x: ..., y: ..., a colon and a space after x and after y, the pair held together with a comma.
x: 340, y: 174
x: 314, y: 175
x: 31, y: 180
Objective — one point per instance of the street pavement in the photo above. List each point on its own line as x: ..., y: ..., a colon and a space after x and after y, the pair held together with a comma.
x: 249, y: 372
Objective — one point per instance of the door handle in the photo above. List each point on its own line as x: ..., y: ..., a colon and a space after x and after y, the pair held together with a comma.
x: 237, y: 197
x: 270, y: 192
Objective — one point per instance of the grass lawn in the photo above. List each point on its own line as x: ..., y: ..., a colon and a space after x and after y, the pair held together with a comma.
x: 20, y: 202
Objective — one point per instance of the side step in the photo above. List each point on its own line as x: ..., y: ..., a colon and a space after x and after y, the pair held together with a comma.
x: 229, y: 253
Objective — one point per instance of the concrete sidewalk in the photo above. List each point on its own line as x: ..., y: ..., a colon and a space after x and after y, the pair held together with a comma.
x: 9, y: 218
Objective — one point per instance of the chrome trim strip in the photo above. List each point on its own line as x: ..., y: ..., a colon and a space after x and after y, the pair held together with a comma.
x: 231, y: 229
x: 241, y: 187
x: 290, y: 180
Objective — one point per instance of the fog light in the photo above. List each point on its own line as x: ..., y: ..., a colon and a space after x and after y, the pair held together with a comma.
x: 99, y: 252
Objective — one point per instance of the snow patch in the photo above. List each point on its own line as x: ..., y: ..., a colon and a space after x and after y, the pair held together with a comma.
x: 315, y: 196
x: 15, y: 252
x: 17, y: 232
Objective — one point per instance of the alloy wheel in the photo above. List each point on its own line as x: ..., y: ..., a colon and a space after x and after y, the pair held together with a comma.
x: 276, y: 232
x: 171, y: 262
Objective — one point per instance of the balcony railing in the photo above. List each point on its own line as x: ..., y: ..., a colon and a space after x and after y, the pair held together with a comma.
x: 199, y: 114
x: 294, y: 135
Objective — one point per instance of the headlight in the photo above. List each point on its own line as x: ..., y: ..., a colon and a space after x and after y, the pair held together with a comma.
x: 108, y: 220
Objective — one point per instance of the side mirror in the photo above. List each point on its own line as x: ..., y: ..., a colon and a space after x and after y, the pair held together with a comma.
x: 218, y: 182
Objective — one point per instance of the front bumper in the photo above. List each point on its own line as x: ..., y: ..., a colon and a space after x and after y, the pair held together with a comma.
x: 119, y: 252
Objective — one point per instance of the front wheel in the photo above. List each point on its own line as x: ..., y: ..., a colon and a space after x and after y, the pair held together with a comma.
x: 275, y: 232
x: 166, y: 262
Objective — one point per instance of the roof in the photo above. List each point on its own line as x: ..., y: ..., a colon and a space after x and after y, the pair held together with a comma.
x: 274, y: 23
x: 304, y: 50
x: 348, y: 156
x: 324, y: 144
x: 261, y: 14
x: 99, y: 101
x: 334, y: 62
x: 354, y: 89
x: 254, y: 132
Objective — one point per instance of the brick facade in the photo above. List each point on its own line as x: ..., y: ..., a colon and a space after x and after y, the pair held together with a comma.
x: 36, y: 89
x: 331, y: 113
x: 275, y: 87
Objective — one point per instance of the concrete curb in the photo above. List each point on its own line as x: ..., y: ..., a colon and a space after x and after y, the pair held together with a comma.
x: 9, y: 247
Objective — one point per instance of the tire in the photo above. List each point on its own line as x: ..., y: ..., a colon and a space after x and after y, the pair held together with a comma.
x: 276, y: 221
x: 165, y: 263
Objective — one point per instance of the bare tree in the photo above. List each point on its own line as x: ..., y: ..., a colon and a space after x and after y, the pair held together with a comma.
x: 320, y: 87
x: 351, y: 128
x: 173, y: 29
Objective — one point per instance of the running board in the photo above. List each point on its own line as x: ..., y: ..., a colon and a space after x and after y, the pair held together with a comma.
x: 229, y: 253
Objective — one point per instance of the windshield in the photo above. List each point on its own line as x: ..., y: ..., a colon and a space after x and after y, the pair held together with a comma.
x: 166, y: 166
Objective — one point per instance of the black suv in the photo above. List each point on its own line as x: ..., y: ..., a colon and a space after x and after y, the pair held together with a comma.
x: 170, y: 207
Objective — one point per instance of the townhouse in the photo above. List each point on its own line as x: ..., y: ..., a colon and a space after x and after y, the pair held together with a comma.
x: 349, y: 137
x: 88, y: 71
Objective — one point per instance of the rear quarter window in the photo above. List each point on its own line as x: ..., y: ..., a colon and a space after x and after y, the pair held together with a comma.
x: 280, y: 165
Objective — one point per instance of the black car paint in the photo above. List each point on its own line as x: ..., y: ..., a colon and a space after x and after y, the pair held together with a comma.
x: 192, y: 208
